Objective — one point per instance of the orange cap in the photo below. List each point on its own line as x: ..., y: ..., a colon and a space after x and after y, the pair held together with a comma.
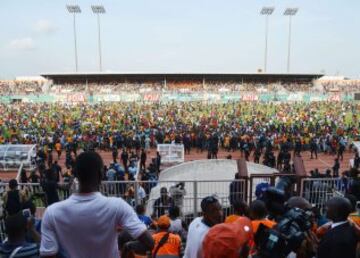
x: 227, y: 239
x: 163, y: 222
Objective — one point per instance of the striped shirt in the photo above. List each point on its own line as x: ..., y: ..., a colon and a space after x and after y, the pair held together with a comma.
x: 27, y: 250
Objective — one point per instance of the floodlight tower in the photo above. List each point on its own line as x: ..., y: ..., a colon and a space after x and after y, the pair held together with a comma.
x: 99, y: 9
x: 74, y: 9
x: 290, y: 12
x: 266, y: 11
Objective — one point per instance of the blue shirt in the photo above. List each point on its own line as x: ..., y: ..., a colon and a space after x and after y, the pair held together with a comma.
x: 28, y: 250
x: 145, y: 219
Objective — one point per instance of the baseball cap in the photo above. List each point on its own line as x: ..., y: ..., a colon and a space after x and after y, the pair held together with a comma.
x: 227, y: 240
x: 163, y: 222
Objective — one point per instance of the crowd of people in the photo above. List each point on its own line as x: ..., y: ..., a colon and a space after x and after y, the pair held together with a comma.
x: 89, y: 224
x: 8, y: 88
x: 248, y: 127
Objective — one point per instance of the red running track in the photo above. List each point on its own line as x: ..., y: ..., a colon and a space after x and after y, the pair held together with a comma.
x: 323, y: 162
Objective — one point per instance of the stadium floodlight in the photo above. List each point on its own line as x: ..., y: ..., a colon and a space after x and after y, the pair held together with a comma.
x: 290, y: 12
x: 99, y: 9
x: 267, y: 11
x: 74, y: 9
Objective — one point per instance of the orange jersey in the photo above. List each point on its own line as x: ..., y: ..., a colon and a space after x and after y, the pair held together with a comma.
x: 171, y: 247
x: 266, y: 222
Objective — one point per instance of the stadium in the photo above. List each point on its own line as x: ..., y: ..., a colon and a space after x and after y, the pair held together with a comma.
x: 173, y: 164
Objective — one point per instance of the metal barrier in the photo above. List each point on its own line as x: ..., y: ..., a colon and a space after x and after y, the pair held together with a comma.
x: 319, y: 190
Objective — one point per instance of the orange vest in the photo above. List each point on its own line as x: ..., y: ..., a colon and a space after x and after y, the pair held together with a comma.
x: 170, y: 248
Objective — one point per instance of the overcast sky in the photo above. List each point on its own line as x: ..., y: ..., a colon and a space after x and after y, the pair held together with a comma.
x: 36, y: 36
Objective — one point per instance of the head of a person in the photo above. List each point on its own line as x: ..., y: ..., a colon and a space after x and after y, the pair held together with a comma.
x: 240, y: 208
x: 163, y: 223
x: 13, y: 184
x: 228, y: 240
x: 163, y: 192
x: 258, y: 210
x: 237, y: 176
x: 15, y: 226
x: 140, y: 209
x: 88, y: 168
x: 212, y: 211
x: 338, y: 209
x: 174, y: 212
x: 353, y: 201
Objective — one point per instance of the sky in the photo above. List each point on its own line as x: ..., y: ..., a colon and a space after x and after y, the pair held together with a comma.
x: 179, y: 36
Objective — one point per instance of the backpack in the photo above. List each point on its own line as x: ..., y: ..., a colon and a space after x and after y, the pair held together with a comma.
x: 13, y: 204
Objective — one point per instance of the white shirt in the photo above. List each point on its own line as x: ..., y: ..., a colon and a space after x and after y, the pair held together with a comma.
x: 195, y: 238
x: 84, y: 226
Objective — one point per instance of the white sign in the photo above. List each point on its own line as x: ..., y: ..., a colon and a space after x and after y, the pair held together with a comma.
x: 171, y: 153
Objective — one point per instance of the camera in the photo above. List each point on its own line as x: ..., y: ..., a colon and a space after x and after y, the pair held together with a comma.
x: 286, y: 236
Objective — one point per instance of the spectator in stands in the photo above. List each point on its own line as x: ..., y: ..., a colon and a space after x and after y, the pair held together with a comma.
x: 124, y: 159
x: 143, y: 160
x: 23, y: 177
x: 336, y: 168
x: 158, y: 162
x: 16, y: 245
x: 70, y: 224
x: 163, y: 203
x: 132, y: 171
x: 140, y: 211
x: 212, y: 215
x: 56, y: 170
x: 355, y: 211
x: 240, y: 209
x: 177, y: 225
x: 341, y: 239
x: 235, y: 190
x: 228, y: 240
x: 50, y: 187
x: 177, y: 193
x: 14, y: 198
x: 357, y: 160
x: 167, y: 244
x: 258, y: 215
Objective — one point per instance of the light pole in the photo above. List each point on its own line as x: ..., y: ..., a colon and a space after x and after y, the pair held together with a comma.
x: 99, y: 9
x: 74, y: 9
x: 267, y: 11
x: 290, y: 12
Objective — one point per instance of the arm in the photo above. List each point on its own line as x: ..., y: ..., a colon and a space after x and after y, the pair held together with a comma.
x: 49, y: 244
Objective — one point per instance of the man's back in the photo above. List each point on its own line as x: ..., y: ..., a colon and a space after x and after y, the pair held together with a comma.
x: 340, y: 241
x: 85, y: 226
x: 196, y: 235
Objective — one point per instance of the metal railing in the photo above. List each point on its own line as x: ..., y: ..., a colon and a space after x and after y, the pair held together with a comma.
x: 319, y: 190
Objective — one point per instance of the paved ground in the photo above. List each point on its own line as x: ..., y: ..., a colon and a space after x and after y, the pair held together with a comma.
x: 323, y: 162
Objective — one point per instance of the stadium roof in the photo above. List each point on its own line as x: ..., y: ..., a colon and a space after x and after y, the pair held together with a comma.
x: 60, y: 78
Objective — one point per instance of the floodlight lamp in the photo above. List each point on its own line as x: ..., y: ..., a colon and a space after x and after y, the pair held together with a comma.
x: 98, y: 9
x: 291, y: 11
x: 73, y: 8
x: 267, y: 10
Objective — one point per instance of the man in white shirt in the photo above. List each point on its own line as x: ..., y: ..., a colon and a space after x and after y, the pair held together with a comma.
x: 198, y: 228
x: 85, y: 225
